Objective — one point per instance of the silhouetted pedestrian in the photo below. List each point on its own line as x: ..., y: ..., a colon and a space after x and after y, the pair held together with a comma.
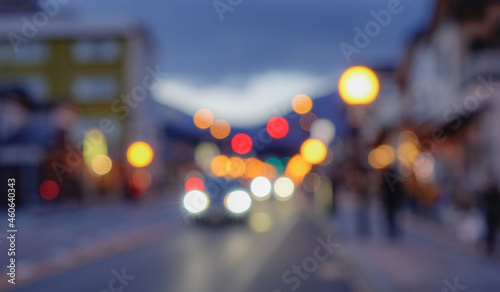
x: 393, y: 196
x: 491, y: 198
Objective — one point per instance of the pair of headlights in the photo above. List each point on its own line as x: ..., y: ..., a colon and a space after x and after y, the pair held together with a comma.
x: 236, y: 202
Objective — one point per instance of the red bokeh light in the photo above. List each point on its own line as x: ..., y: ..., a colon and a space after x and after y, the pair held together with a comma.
x: 277, y: 127
x: 49, y: 190
x: 241, y: 143
x: 194, y: 184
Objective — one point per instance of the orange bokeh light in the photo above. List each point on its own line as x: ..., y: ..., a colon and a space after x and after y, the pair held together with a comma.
x: 382, y: 156
x: 297, y: 168
x: 101, y: 164
x: 203, y: 119
x: 254, y: 168
x: 302, y: 104
x: 218, y: 166
x: 236, y: 167
x: 220, y: 129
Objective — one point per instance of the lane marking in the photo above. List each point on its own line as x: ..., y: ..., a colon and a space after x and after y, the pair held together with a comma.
x: 268, y: 246
x: 84, y: 254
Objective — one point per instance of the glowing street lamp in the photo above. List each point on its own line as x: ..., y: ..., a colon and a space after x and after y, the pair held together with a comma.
x: 358, y: 85
x: 140, y: 154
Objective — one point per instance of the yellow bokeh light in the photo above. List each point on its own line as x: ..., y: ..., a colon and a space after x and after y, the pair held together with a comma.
x: 313, y: 151
x: 94, y: 143
x: 220, y: 129
x: 382, y: 156
x: 260, y: 222
x: 218, y: 166
x: 358, y: 85
x: 140, y: 154
x: 236, y: 167
x: 297, y: 167
x: 408, y: 152
x: 408, y: 136
x: 101, y: 164
x: 302, y: 104
x: 203, y: 119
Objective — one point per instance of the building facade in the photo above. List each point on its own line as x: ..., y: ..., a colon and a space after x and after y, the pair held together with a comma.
x: 451, y: 99
x: 101, y: 69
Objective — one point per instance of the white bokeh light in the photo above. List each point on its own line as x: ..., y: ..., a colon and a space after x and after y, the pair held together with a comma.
x: 261, y: 187
x: 196, y: 202
x: 238, y: 202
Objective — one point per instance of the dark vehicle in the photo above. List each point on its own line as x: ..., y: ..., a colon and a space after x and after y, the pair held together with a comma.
x: 221, y: 201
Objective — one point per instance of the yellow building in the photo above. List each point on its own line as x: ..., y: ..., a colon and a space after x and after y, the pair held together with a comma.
x: 99, y: 67
x: 92, y: 65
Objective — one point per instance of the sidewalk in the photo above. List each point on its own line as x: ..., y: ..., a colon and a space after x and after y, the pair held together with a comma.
x: 426, y: 258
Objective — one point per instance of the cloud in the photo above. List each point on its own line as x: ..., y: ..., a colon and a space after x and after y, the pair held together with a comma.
x: 259, y: 98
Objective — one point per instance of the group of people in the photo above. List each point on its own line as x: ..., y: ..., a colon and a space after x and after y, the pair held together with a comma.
x: 393, y: 195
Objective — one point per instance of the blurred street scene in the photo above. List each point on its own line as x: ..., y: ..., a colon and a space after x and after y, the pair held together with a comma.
x: 236, y: 146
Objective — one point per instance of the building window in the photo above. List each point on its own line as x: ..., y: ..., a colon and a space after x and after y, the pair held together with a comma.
x: 94, y: 88
x: 32, y: 53
x: 96, y: 51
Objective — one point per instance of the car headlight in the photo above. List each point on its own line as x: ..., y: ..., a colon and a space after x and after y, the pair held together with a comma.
x: 238, y: 202
x: 283, y: 188
x: 261, y: 188
x: 196, y: 202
